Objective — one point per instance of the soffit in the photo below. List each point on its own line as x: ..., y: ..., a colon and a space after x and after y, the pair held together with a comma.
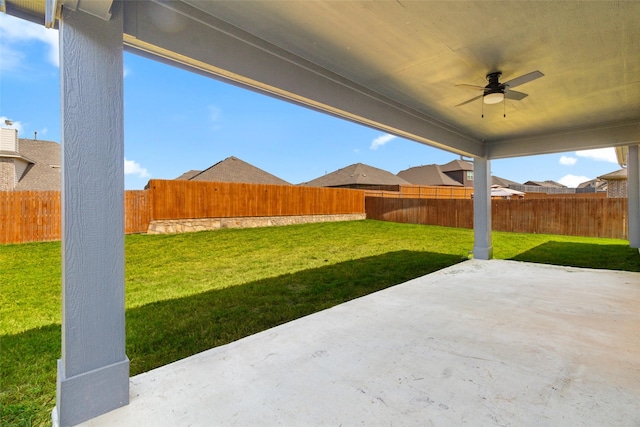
x: 416, y: 52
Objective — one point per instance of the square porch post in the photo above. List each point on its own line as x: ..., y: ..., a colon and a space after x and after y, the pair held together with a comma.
x: 633, y: 191
x: 93, y: 373
x: 482, y: 244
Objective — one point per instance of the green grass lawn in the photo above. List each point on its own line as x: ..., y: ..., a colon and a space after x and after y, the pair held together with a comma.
x: 189, y: 292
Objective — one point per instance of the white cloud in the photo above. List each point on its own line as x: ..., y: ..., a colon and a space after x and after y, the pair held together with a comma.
x: 14, y: 31
x: 381, y: 140
x: 14, y: 125
x: 599, y: 154
x: 214, y: 113
x: 573, y: 181
x: 132, y: 167
x: 568, y: 161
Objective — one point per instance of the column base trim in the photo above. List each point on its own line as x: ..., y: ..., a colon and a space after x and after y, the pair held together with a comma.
x: 87, y: 395
x: 483, y: 253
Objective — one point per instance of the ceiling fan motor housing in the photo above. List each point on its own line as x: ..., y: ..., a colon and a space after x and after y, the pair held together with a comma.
x: 494, y: 85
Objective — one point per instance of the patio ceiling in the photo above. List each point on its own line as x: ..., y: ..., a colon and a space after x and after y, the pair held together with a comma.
x: 394, y: 65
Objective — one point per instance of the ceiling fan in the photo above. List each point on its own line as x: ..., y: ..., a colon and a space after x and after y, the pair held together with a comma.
x: 495, y: 91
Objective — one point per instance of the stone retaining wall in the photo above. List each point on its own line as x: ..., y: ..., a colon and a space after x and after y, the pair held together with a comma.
x: 202, y: 224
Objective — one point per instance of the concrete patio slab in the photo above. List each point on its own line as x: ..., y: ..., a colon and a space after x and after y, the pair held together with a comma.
x: 481, y: 343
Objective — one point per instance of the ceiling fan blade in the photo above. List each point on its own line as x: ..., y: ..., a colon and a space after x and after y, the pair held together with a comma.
x: 523, y: 79
x: 515, y: 95
x: 470, y: 100
x: 472, y: 87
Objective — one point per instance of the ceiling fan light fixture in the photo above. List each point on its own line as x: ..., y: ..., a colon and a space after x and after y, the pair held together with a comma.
x: 493, y: 98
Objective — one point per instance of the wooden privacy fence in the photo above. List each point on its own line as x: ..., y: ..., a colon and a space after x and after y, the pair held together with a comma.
x: 178, y: 199
x: 591, y: 217
x: 29, y: 216
x: 598, y: 195
x: 136, y: 211
x: 424, y: 192
x: 34, y: 216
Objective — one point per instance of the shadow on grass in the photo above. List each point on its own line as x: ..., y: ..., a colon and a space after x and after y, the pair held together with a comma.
x: 166, y: 331
x: 587, y: 255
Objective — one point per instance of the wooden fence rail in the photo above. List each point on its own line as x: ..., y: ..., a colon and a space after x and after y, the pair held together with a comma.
x: 591, y: 217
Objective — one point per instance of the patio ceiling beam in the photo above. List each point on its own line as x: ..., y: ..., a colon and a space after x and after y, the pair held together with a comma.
x: 180, y: 34
x: 601, y: 136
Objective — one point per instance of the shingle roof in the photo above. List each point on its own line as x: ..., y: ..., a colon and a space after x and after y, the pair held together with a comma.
x: 547, y: 183
x: 619, y: 174
x: 357, y: 174
x: 457, y: 165
x: 44, y: 173
x: 428, y: 175
x: 593, y: 183
x: 188, y: 175
x: 502, y: 182
x: 233, y: 169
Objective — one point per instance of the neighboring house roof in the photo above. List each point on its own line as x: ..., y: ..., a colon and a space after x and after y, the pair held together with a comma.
x: 428, y: 175
x: 233, y: 169
x: 502, y: 182
x: 188, y: 175
x: 593, y: 183
x: 547, y: 183
x: 619, y: 174
x: 357, y: 174
x: 43, y: 171
x: 457, y: 165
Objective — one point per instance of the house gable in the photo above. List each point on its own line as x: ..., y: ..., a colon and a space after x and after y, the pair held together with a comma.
x: 35, y: 166
x: 460, y: 170
x: 358, y: 175
x: 232, y: 169
x: 428, y: 175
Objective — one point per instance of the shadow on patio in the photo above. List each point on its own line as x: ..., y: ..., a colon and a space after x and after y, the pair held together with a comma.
x: 166, y: 331
x: 608, y: 257
x: 485, y: 343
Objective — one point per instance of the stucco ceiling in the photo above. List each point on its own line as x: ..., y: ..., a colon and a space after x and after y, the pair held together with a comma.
x: 409, y: 56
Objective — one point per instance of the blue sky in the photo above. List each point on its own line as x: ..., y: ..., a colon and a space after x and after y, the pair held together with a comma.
x: 176, y: 121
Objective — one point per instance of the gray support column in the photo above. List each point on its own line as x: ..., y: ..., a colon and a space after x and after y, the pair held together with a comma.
x: 482, y: 246
x: 633, y: 190
x: 93, y: 373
